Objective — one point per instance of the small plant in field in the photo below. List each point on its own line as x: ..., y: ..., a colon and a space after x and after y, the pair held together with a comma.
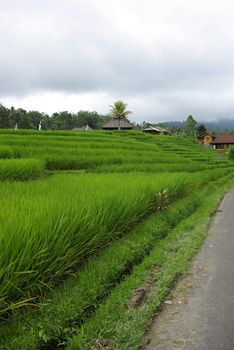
x: 162, y: 199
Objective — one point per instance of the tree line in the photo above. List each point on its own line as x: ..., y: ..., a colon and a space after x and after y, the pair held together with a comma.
x: 21, y: 119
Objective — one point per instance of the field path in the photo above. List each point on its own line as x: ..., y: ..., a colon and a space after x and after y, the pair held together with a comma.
x: 201, y: 315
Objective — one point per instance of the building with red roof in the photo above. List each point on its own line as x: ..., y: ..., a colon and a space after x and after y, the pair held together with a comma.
x: 223, y: 141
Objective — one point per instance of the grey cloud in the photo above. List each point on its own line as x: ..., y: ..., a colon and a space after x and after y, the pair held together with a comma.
x: 168, y: 60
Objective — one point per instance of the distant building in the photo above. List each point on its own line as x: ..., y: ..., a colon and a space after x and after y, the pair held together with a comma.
x: 205, y: 138
x: 223, y: 141
x: 155, y: 130
x: 114, y: 125
x: 86, y: 127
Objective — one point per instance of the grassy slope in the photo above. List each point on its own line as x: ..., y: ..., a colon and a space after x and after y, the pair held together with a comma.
x: 54, y: 248
x: 106, y: 150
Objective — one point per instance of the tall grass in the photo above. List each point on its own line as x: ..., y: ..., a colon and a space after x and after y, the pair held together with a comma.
x: 52, y: 225
x: 79, y: 296
x: 6, y: 152
x: 21, y: 169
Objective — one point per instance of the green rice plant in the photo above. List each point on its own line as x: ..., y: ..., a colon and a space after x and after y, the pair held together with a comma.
x: 151, y: 168
x: 21, y: 169
x: 66, y: 133
x: 6, y: 152
x: 69, y: 150
x: 55, y: 318
x: 56, y: 223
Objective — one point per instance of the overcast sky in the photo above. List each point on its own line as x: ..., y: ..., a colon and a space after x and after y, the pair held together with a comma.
x: 165, y: 58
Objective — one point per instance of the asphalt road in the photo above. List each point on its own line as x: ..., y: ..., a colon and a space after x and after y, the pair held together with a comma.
x: 201, y: 316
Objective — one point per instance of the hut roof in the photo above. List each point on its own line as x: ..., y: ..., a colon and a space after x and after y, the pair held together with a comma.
x: 155, y: 128
x: 114, y: 124
x: 224, y: 139
x: 85, y: 127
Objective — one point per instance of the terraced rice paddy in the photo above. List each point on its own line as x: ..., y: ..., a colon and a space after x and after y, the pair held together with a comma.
x: 85, y: 218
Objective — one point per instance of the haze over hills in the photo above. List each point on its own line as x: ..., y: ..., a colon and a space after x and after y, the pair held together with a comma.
x: 222, y: 124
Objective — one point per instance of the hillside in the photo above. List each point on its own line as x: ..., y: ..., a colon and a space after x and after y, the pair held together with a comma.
x: 218, y: 125
x: 86, y: 218
x: 104, y: 151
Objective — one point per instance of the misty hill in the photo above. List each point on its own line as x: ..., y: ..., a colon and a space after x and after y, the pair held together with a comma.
x: 222, y: 125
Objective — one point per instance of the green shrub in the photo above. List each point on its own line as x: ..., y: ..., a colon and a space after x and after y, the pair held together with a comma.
x: 231, y: 153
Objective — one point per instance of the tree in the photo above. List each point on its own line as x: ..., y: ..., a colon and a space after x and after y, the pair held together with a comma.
x: 22, y: 119
x: 4, y: 116
x: 62, y: 121
x: 201, y: 128
x: 189, y: 126
x: 35, y: 118
x: 83, y: 118
x: 118, y: 111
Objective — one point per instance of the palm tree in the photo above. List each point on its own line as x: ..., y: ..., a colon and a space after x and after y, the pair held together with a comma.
x: 118, y: 111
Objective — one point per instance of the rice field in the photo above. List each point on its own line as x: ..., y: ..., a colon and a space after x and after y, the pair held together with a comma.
x: 107, y: 150
x: 79, y: 212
